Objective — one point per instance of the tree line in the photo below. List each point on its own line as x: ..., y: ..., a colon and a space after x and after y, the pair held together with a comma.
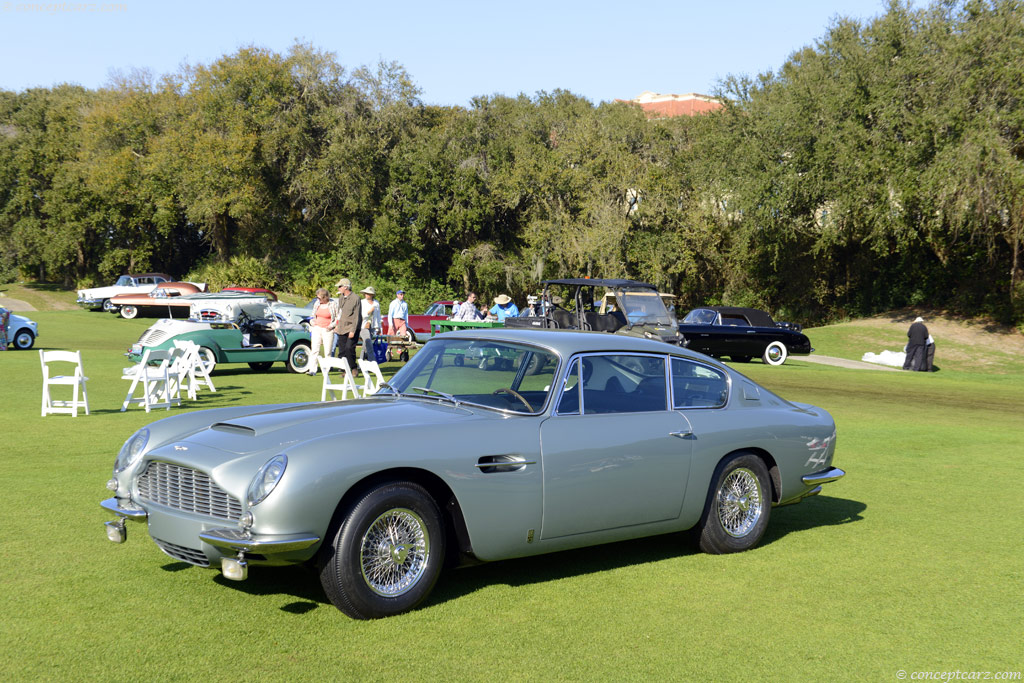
x: 880, y: 167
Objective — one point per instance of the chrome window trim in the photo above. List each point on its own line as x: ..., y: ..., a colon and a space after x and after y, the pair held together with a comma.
x: 672, y: 393
x: 582, y: 407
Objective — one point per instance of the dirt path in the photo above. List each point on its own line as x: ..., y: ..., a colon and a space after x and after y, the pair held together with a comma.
x: 16, y: 305
x: 844, y: 363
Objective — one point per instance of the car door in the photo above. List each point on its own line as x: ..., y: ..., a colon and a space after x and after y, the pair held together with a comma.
x: 618, y: 457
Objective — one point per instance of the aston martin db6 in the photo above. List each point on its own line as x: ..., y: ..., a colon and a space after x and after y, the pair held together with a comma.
x: 501, y: 443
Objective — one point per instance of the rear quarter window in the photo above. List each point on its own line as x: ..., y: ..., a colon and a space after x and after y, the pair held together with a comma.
x: 695, y: 385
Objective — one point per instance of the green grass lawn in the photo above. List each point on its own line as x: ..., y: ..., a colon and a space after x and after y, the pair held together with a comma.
x: 914, y: 561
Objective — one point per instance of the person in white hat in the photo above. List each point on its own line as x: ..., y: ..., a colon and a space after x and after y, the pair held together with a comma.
x: 917, y: 337
x: 504, y: 307
x: 371, y: 321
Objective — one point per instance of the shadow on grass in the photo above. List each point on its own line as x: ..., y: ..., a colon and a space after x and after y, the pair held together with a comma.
x: 303, y: 582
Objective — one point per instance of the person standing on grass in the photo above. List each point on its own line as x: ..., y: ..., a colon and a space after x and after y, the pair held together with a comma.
x: 321, y: 327
x: 371, y: 321
x: 398, y: 315
x: 346, y: 329
x: 917, y: 337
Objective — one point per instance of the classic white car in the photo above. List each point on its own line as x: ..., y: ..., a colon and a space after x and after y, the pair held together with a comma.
x: 97, y: 298
x: 21, y: 332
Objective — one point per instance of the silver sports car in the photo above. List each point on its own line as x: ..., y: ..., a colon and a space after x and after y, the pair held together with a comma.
x: 487, y: 445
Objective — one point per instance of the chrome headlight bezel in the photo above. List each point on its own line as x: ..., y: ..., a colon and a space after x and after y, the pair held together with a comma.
x: 266, y: 480
x: 132, y: 450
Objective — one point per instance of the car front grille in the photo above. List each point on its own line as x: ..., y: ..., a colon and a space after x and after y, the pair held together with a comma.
x: 187, y: 489
x: 180, y: 552
x: 152, y: 337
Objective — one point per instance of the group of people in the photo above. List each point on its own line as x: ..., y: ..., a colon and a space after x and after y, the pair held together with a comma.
x: 503, y: 308
x: 920, y: 352
x: 338, y: 325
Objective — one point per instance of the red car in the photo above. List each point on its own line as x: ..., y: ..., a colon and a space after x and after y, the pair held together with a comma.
x: 257, y: 291
x: 420, y: 324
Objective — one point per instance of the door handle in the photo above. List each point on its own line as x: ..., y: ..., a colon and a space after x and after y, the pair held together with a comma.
x: 682, y: 435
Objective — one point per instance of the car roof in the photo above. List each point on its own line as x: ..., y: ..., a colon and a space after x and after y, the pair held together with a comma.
x: 568, y: 342
x: 587, y: 281
x: 163, y: 275
x: 754, y: 316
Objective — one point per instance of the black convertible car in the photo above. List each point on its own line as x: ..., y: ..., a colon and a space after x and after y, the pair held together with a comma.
x: 742, y: 334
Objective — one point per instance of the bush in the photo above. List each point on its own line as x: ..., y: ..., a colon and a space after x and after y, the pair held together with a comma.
x: 240, y: 271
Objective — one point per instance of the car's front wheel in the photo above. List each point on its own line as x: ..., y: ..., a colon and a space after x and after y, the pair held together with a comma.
x: 775, y: 353
x: 299, y: 358
x: 738, y: 506
x: 129, y: 312
x: 386, y: 553
x: 24, y: 340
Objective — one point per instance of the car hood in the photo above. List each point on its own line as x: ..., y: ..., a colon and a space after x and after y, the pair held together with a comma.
x: 113, y: 290
x: 281, y: 428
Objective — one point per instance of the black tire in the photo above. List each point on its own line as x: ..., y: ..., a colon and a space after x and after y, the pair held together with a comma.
x: 24, y: 339
x: 740, y: 359
x: 775, y: 353
x: 208, y: 358
x: 738, y: 506
x: 261, y: 367
x: 299, y: 358
x: 129, y: 312
x: 404, y: 356
x: 401, y: 574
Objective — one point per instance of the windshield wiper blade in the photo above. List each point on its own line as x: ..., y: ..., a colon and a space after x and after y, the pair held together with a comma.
x: 441, y: 394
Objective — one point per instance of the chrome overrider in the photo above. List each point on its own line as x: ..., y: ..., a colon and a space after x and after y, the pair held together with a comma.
x: 240, y: 541
x: 815, y: 479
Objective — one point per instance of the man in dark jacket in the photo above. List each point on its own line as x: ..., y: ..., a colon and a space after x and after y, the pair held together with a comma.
x: 917, y: 337
x: 350, y: 314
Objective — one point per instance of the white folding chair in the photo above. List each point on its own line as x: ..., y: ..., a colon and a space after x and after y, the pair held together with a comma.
x: 176, y: 373
x: 347, y: 383
x: 154, y: 379
x: 372, y: 377
x: 194, y: 369
x: 76, y: 380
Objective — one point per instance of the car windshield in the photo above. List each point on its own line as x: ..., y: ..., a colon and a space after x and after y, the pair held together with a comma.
x: 643, y: 307
x: 701, y: 316
x: 494, y: 374
x: 124, y: 281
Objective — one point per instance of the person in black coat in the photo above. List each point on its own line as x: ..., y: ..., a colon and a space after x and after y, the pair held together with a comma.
x: 917, y: 337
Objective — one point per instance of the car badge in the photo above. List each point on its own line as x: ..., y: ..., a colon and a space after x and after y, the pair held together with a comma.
x: 181, y: 448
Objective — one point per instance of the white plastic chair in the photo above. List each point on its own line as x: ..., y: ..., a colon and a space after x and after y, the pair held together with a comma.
x: 76, y: 379
x: 194, y: 370
x: 372, y: 376
x: 155, y: 380
x: 347, y: 384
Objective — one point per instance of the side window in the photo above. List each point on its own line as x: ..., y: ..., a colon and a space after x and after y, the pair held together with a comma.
x: 697, y: 386
x: 623, y: 384
x: 569, y: 404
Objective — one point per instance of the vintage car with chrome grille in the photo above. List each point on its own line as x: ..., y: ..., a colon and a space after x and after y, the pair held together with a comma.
x: 564, y: 439
x: 96, y: 298
x: 231, y: 327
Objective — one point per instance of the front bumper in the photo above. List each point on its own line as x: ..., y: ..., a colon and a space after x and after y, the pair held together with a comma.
x: 90, y: 304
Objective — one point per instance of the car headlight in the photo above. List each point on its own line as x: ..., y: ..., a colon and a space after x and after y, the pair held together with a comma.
x: 266, y: 479
x: 131, y: 450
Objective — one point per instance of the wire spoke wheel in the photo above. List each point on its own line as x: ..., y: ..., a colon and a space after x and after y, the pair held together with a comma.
x: 394, y: 552
x: 739, y: 502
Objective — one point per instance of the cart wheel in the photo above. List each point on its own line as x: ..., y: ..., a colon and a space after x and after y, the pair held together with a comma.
x: 405, y: 356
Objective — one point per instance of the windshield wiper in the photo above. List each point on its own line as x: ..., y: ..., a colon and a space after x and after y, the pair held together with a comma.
x: 447, y: 397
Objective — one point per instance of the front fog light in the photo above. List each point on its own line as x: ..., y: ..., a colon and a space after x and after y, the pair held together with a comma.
x: 246, y: 520
x: 234, y: 568
x: 116, y: 532
x: 112, y: 485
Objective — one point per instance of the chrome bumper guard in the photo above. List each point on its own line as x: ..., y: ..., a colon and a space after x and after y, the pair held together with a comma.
x: 90, y: 303
x: 823, y: 477
x: 134, y: 514
x: 239, y: 541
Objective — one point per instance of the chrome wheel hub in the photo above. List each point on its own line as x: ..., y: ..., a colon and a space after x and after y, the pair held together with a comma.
x: 739, y: 502
x: 394, y: 551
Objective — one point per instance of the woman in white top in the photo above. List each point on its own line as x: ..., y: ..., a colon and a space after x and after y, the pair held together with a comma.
x: 371, y: 321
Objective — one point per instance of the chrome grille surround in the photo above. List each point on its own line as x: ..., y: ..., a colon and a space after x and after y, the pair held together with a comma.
x: 186, y: 489
x: 180, y: 552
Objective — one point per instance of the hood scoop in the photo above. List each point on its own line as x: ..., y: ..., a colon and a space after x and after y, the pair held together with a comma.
x: 229, y: 428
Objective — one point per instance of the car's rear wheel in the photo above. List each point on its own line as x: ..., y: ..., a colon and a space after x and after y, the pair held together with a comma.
x: 24, y: 340
x: 261, y: 367
x: 129, y: 312
x: 207, y: 358
x: 738, y: 506
x: 299, y: 358
x: 386, y: 553
x: 775, y: 353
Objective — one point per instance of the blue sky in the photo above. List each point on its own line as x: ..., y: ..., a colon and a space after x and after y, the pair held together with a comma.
x: 453, y: 50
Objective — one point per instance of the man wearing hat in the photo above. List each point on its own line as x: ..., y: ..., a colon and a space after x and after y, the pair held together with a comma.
x: 917, y: 337
x: 504, y: 308
x: 398, y: 315
x: 347, y: 326
x: 371, y: 321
